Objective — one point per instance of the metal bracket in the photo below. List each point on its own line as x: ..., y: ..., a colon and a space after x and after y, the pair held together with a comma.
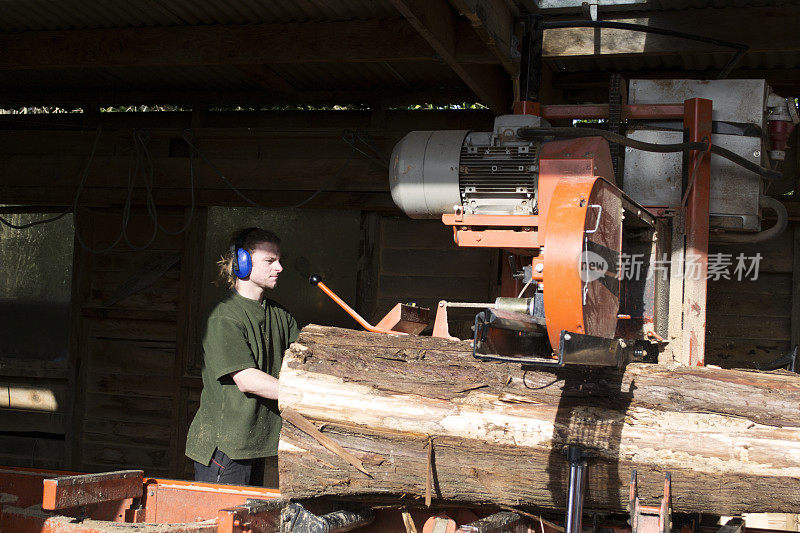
x: 510, y: 338
x: 646, y: 519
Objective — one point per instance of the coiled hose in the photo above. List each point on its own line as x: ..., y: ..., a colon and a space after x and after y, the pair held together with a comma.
x: 748, y: 238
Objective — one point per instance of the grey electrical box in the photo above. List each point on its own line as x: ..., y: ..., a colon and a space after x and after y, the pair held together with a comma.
x: 657, y: 180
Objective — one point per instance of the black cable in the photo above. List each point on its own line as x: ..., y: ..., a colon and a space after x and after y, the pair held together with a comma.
x: 351, y: 137
x: 188, y: 140
x: 335, y: 176
x: 74, y: 203
x: 741, y: 48
x: 535, y: 133
x: 75, y: 209
x: 140, y: 140
x: 152, y: 208
x: 191, y: 198
x: 5, y: 222
x: 187, y: 137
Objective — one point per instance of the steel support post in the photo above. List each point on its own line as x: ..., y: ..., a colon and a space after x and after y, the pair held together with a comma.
x: 577, y: 486
x: 697, y: 119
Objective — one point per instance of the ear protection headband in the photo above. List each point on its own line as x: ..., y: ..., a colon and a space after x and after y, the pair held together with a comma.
x: 242, y: 262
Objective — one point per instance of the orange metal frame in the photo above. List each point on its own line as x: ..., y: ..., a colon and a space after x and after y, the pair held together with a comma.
x: 178, y: 506
x: 169, y: 506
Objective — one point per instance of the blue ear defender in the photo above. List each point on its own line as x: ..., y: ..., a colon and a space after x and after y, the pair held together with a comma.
x: 242, y: 262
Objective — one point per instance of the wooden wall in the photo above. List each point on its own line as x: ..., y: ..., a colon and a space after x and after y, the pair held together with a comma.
x: 131, y: 346
x: 749, y: 322
x: 126, y: 396
x: 416, y: 261
x: 276, y: 158
x: 35, y: 409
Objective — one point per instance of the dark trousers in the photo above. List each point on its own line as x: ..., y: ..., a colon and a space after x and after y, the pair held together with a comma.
x: 223, y: 469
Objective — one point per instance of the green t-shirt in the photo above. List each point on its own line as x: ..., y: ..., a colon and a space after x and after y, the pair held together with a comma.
x: 240, y: 333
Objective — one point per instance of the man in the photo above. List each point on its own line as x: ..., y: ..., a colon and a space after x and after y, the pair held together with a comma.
x: 238, y: 423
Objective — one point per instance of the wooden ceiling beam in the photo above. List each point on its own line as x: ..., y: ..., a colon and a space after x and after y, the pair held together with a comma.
x: 267, y: 78
x: 256, y: 44
x: 246, y: 124
x: 393, y: 97
x: 494, y: 24
x: 436, y: 22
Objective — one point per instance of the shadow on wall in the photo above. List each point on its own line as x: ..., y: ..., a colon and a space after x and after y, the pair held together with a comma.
x: 34, y: 330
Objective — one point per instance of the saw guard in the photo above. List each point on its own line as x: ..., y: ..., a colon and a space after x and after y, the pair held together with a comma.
x: 581, y: 258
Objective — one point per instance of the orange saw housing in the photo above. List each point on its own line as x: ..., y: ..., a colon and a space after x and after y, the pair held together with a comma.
x: 573, y: 244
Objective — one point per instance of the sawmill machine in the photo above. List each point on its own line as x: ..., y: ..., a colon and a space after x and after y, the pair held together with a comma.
x: 586, y: 249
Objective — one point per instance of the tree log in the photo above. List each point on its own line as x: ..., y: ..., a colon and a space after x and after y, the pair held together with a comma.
x: 730, y: 439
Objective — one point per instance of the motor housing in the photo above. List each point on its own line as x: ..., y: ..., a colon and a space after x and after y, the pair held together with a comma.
x: 485, y: 172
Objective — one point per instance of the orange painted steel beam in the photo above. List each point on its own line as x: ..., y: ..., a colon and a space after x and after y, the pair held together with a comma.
x: 598, y: 111
x: 169, y: 500
x: 508, y: 221
x: 66, y: 492
x: 25, y: 483
x: 526, y: 107
x: 496, y: 238
x: 698, y: 121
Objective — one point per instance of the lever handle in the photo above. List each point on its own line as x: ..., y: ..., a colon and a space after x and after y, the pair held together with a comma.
x: 316, y: 280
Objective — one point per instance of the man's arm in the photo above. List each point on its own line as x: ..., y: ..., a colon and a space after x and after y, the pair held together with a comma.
x: 254, y: 381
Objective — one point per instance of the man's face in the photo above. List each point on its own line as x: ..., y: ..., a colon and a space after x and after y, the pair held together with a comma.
x: 266, y: 265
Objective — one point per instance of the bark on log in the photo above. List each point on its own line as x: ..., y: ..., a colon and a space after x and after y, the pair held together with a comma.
x: 730, y: 439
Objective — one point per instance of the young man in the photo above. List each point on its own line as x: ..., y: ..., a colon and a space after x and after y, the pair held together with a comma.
x: 238, y: 423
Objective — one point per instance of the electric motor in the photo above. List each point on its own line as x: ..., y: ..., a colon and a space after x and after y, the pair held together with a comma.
x: 485, y: 172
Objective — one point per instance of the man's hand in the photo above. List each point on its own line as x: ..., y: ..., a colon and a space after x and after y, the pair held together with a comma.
x: 254, y: 381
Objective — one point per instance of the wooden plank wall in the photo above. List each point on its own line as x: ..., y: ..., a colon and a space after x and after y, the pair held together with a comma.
x: 131, y: 354
x: 750, y: 321
x: 35, y: 412
x: 129, y: 398
x: 419, y: 262
x: 276, y: 158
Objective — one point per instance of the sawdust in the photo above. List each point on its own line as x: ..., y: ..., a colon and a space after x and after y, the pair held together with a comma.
x: 6, y: 498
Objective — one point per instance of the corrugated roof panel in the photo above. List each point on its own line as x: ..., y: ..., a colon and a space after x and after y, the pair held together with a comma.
x: 185, y: 78
x: 37, y: 15
x: 696, y: 4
